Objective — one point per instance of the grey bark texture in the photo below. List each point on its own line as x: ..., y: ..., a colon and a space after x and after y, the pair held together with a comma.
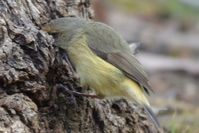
x: 31, y: 68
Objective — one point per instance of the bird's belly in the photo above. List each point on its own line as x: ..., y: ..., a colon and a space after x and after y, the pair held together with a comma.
x: 104, y: 78
x: 95, y: 72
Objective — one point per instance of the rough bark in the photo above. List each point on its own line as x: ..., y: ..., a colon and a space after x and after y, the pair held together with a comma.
x: 31, y: 67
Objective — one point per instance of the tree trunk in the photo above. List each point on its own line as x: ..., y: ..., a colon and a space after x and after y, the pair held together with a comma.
x: 31, y: 68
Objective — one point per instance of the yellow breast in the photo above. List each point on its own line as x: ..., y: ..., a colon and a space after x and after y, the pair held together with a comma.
x: 104, y: 78
x: 94, y: 71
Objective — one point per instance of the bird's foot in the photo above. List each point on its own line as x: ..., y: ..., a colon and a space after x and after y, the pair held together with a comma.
x: 65, y: 89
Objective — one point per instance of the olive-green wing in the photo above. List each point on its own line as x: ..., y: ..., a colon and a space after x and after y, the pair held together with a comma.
x: 131, y: 68
x: 108, y: 45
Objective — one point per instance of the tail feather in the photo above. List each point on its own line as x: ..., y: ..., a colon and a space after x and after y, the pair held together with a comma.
x: 136, y: 93
x: 152, y: 116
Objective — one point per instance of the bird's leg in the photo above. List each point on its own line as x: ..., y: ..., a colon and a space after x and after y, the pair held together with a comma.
x: 77, y: 93
x: 87, y: 95
x: 63, y: 89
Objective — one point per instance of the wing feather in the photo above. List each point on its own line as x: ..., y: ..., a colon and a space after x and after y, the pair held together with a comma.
x: 131, y: 68
x: 117, y: 53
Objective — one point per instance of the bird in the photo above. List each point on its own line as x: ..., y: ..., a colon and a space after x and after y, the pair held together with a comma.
x: 103, y: 60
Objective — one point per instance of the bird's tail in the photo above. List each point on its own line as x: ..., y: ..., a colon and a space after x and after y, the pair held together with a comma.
x: 136, y: 93
x: 152, y: 116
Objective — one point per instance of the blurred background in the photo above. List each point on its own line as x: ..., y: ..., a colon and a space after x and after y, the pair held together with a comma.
x: 167, y: 35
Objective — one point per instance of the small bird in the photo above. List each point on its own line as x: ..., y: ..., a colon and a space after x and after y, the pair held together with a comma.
x: 103, y: 60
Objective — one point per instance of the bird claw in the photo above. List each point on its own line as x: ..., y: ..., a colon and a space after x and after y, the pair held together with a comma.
x: 71, y: 92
